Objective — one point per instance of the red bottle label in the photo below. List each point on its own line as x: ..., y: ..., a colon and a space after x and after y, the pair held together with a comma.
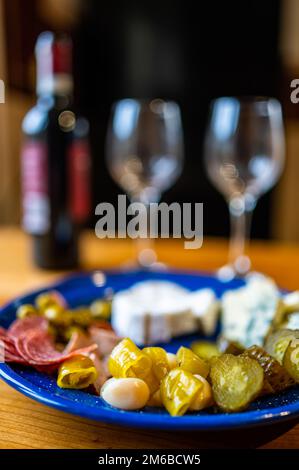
x: 35, y: 194
x: 79, y: 195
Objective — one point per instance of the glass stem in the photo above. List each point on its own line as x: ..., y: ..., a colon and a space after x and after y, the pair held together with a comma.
x: 240, y: 219
x: 145, y: 253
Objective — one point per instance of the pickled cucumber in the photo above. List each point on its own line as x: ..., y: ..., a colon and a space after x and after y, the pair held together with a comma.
x: 229, y: 347
x: 277, y: 342
x: 236, y: 381
x: 275, y: 375
x: 283, y: 314
x: 291, y: 359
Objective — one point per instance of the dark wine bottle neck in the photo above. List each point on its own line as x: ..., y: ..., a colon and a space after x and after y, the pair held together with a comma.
x: 56, y: 100
x: 58, y: 85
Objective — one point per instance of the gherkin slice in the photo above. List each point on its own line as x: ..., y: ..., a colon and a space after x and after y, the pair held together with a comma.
x: 277, y: 342
x: 236, y: 381
x: 267, y: 389
x: 275, y: 375
x: 291, y: 359
x: 229, y: 347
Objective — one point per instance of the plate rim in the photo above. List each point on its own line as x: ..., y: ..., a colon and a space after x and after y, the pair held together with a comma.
x: 114, y: 416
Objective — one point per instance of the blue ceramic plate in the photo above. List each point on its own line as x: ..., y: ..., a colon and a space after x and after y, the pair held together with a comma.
x: 83, y: 288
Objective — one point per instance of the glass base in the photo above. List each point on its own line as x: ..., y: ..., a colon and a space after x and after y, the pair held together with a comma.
x: 239, y: 268
x: 146, y: 260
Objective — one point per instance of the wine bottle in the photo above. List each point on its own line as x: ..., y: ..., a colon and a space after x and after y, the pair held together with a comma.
x: 55, y: 160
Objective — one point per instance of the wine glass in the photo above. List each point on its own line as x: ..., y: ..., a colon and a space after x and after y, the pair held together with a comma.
x: 144, y: 151
x: 244, y: 157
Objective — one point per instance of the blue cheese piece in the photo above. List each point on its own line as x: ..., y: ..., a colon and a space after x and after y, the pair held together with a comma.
x: 248, y: 311
x: 293, y: 322
x: 155, y: 311
x: 291, y: 304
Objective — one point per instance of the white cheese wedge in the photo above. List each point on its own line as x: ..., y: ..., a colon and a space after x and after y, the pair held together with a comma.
x: 247, y: 312
x: 291, y: 300
x: 155, y: 311
x: 205, y: 308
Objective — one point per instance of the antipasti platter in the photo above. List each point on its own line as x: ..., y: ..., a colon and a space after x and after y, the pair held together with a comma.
x: 159, y: 350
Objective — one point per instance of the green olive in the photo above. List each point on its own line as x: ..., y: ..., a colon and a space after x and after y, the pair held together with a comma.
x: 68, y: 332
x: 101, y: 309
x: 81, y: 317
x: 205, y: 349
x: 52, y: 330
x: 26, y: 310
x: 58, y: 316
x: 45, y: 300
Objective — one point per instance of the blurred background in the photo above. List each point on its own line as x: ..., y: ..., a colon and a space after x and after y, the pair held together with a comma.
x: 182, y: 50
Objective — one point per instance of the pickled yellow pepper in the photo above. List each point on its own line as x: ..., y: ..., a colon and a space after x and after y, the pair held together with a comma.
x: 178, y: 390
x: 160, y: 364
x: 77, y: 372
x: 127, y: 360
x: 191, y: 362
x: 160, y: 367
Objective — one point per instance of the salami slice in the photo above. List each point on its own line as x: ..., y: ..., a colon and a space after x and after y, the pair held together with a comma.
x: 8, y: 357
x: 10, y: 352
x: 10, y: 345
x: 2, y: 332
x: 38, y: 349
x: 28, y: 341
x: 21, y: 326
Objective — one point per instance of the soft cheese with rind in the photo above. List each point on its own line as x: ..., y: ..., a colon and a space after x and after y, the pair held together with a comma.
x: 205, y: 308
x: 155, y: 311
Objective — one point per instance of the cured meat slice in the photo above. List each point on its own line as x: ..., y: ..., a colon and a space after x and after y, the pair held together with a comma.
x: 28, y: 341
x: 21, y: 326
x: 10, y: 345
x: 102, y: 324
x: 10, y: 354
x: 103, y: 373
x: 37, y: 348
x: 106, y: 340
x: 78, y: 340
x: 40, y: 338
x: 8, y: 357
x: 2, y: 332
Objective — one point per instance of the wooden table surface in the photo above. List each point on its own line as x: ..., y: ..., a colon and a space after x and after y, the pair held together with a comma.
x: 27, y: 424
